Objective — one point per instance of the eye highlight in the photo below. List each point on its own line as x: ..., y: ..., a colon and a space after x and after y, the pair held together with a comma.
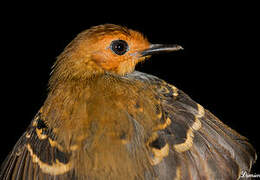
x: 120, y: 47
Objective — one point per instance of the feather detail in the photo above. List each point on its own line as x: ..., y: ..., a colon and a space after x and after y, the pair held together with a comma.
x: 33, y: 157
x: 141, y: 128
x: 208, y: 148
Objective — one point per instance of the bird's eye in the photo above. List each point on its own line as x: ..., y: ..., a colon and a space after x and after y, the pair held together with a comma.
x: 119, y: 47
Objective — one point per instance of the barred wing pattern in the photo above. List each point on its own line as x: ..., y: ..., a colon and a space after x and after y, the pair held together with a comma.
x: 199, y: 145
x: 37, y: 155
x: 188, y: 143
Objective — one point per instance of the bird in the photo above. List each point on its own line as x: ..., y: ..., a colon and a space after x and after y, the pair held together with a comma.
x: 102, y: 119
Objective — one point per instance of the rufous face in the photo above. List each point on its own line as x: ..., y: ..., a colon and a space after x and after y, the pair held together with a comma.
x: 116, y: 51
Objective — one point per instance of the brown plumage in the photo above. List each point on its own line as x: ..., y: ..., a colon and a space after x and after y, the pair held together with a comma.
x: 103, y: 120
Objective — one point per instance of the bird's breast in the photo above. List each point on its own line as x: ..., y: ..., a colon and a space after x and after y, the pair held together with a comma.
x: 105, y: 122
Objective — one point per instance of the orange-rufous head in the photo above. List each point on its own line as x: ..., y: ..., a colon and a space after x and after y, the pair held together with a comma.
x: 105, y: 48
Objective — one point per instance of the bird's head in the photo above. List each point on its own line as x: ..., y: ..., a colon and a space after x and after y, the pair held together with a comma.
x: 105, y: 48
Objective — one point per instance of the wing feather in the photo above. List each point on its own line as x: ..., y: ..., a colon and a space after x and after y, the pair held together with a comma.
x: 201, y: 146
x: 182, y: 139
x: 33, y: 156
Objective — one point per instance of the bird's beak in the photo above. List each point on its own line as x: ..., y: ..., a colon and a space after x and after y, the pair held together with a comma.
x: 158, y: 48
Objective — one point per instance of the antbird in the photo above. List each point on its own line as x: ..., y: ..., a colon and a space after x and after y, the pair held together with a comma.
x: 104, y: 120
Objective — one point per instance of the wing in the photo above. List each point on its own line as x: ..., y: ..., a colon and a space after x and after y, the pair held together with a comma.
x: 160, y: 134
x: 193, y: 143
x: 37, y: 156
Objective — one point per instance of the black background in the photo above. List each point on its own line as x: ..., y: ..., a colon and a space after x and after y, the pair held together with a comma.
x: 218, y: 67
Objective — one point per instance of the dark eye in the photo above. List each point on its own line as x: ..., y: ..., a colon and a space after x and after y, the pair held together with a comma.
x: 119, y: 47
